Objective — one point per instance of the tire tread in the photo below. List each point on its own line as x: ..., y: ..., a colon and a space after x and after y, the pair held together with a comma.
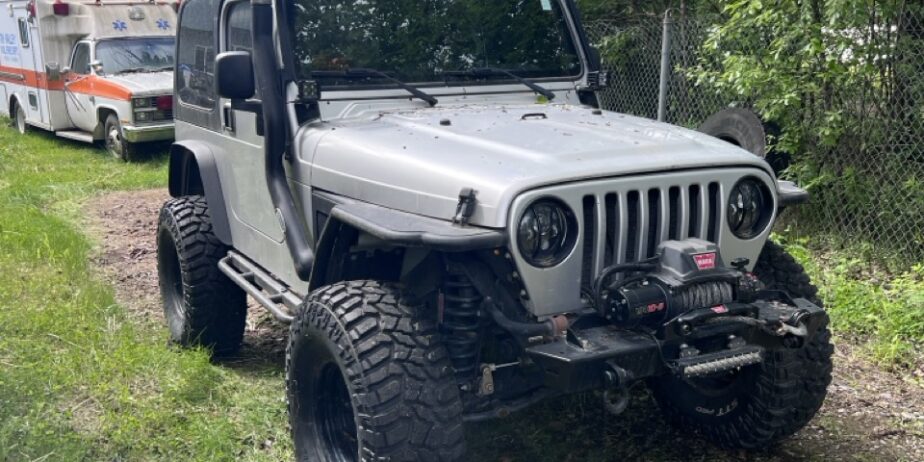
x: 216, y: 308
x: 399, y: 371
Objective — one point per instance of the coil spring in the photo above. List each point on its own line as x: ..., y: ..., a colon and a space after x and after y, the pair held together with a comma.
x: 460, y: 326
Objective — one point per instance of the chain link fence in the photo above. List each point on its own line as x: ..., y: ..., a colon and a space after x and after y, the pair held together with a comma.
x: 867, y: 188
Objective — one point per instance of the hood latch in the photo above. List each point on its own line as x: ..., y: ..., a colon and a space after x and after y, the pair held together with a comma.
x: 466, y: 207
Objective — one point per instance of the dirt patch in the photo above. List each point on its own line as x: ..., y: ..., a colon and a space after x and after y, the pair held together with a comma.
x: 125, y: 224
x: 870, y: 414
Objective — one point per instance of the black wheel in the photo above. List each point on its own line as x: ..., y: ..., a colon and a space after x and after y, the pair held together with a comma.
x: 202, y: 306
x: 745, y: 129
x: 19, y: 119
x: 115, y: 144
x: 758, y: 405
x: 367, y: 378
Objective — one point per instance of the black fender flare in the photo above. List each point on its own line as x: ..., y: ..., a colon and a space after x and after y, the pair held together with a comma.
x: 194, y: 171
x: 348, y: 220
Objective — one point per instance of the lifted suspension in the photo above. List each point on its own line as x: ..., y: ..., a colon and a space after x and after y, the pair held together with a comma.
x: 460, y: 325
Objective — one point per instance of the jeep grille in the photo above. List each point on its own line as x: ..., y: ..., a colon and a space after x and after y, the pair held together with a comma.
x: 628, y: 227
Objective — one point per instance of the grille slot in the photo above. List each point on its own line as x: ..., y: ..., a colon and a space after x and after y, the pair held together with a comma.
x: 634, y: 230
x: 696, y: 211
x: 654, y: 236
x: 590, y: 225
x: 674, y: 228
x: 625, y: 227
x: 713, y: 212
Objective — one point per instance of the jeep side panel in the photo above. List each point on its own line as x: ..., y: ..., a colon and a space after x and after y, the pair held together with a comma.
x: 232, y: 138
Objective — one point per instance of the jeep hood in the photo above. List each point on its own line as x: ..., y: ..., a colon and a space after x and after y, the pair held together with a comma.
x: 144, y: 83
x: 419, y: 160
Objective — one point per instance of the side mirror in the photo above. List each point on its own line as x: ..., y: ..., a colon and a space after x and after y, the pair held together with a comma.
x: 53, y: 71
x: 97, y: 66
x: 65, y: 70
x: 234, y: 75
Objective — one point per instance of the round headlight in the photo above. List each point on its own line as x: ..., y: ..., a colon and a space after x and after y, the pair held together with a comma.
x: 750, y: 207
x: 546, y: 233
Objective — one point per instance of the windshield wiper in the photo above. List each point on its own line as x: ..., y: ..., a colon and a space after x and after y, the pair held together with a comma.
x: 486, y: 71
x: 133, y: 70
x: 363, y: 72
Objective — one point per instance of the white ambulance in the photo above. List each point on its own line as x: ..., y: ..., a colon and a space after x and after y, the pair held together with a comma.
x: 89, y: 70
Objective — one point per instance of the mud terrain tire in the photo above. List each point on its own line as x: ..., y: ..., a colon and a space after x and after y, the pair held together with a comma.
x: 202, y: 306
x: 765, y: 403
x: 367, y: 378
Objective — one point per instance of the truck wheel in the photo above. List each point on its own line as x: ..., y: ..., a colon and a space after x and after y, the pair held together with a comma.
x: 758, y: 405
x: 367, y: 378
x: 19, y: 119
x: 202, y: 306
x: 115, y: 143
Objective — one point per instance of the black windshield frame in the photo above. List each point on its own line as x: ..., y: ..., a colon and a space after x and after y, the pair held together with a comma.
x: 570, y: 33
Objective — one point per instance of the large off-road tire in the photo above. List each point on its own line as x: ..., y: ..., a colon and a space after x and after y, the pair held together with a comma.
x: 202, y: 306
x: 761, y: 404
x: 777, y: 269
x: 19, y: 119
x: 115, y: 143
x: 367, y: 378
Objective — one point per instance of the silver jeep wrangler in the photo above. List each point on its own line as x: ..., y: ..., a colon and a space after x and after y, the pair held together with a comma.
x: 428, y: 192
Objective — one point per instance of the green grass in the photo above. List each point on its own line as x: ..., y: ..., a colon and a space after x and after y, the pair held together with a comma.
x: 880, y: 309
x: 78, y: 379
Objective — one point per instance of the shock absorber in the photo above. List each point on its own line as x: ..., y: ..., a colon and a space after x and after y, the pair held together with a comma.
x: 460, y: 325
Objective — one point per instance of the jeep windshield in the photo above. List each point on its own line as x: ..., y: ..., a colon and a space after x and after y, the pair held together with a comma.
x: 432, y: 42
x: 122, y: 56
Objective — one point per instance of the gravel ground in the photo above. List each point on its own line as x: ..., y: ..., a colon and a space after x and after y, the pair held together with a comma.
x: 870, y: 414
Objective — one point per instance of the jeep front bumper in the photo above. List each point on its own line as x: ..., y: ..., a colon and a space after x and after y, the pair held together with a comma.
x: 605, y: 355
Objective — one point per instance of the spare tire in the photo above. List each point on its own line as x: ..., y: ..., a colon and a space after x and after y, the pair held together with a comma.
x: 744, y: 128
x: 740, y: 127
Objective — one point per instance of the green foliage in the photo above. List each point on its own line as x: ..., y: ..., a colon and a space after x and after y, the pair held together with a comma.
x: 80, y: 379
x: 867, y: 303
x: 842, y: 79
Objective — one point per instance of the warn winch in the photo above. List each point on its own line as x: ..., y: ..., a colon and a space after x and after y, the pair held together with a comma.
x: 686, y: 275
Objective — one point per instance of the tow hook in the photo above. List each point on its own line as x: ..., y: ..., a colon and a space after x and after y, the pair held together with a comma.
x: 795, y: 324
x: 616, y: 395
x: 798, y: 331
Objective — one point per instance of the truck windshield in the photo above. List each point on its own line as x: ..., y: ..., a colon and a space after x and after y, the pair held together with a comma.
x: 142, y: 54
x: 425, y: 41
